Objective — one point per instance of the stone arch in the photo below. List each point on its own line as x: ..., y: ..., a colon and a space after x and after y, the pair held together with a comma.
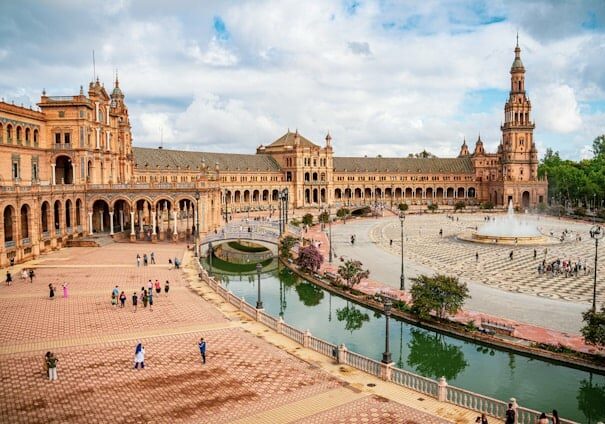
x: 36, y: 136
x: 377, y: 193
x: 57, y: 216
x: 525, y: 199
x: 439, y: 193
x: 19, y: 133
x: 246, y: 196
x: 275, y: 195
x: 9, y: 133
x: 315, y: 176
x: 409, y: 192
x: 337, y: 194
x: 25, y: 221
x: 28, y: 132
x: 100, y: 216
x: 307, y: 176
x: 265, y: 196
x: 68, y: 210
x: 461, y: 192
x: 418, y: 192
x: 9, y: 224
x: 44, y: 212
x: 471, y: 192
x: 429, y: 192
x: 398, y: 192
x: 357, y: 194
x: 228, y: 195
x: 322, y: 195
x: 89, y: 171
x: 367, y: 193
x: 78, y: 212
x: 237, y: 196
x: 63, y: 170
x: 307, y: 195
x: 450, y: 192
x: 315, y: 196
x: 255, y: 195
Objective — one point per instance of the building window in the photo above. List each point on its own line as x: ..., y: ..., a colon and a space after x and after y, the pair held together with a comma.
x: 81, y: 114
x: 57, y: 138
x: 67, y: 138
x: 15, y: 170
x: 34, y: 172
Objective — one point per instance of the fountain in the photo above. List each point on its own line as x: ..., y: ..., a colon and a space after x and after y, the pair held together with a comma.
x: 509, y: 230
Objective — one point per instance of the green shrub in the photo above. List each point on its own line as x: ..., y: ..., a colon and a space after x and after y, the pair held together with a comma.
x: 487, y: 205
x: 432, y: 207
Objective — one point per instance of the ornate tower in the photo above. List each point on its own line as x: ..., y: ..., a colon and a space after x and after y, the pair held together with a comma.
x: 519, y: 155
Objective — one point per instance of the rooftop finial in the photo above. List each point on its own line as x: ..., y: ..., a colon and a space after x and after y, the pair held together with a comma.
x: 117, y: 80
x: 517, y: 38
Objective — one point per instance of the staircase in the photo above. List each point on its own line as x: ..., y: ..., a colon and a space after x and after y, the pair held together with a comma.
x: 91, y: 241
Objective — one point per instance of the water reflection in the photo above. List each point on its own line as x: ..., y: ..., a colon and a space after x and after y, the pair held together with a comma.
x: 432, y: 356
x: 309, y: 294
x: 353, y: 317
x: 591, y: 400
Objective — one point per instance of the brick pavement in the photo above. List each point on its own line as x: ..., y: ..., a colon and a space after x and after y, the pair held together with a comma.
x: 94, y: 341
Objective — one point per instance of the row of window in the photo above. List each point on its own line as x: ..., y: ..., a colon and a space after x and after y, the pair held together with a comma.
x: 18, y: 135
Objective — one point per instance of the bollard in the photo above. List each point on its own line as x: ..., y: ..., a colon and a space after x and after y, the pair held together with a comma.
x: 342, y: 351
x: 306, y: 337
x: 442, y: 390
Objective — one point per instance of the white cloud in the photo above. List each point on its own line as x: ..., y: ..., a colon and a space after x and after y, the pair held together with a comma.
x: 557, y: 109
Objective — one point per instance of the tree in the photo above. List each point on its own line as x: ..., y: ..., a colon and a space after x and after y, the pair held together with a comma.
x: 309, y: 258
x: 287, y: 243
x: 440, y: 294
x: 324, y: 217
x: 403, y: 207
x: 591, y: 400
x: 432, y: 207
x: 352, y: 272
x: 594, y: 330
x: 459, y: 205
x: 598, y: 145
x: 423, y: 155
x: 342, y: 213
x: 307, y: 219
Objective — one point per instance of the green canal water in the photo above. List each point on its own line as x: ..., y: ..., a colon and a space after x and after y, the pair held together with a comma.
x: 537, y: 384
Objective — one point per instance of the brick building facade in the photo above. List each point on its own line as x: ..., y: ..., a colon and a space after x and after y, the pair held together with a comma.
x: 70, y: 170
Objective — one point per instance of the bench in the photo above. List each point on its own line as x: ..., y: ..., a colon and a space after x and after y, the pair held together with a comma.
x: 330, y: 276
x: 497, y: 327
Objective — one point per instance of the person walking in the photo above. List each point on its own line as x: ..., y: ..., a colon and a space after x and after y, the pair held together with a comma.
x: 202, y: 346
x: 166, y: 287
x: 158, y: 287
x: 135, y: 300
x: 122, y: 299
x: 64, y: 290
x: 114, y: 300
x: 51, y: 291
x: 31, y: 275
x: 139, y: 356
x: 138, y: 260
x: 150, y: 299
x: 476, y: 256
x: 145, y: 259
x: 9, y: 278
x: 510, y: 255
x: 51, y: 362
x: 149, y: 285
x: 152, y: 257
x: 115, y: 292
x: 144, y: 297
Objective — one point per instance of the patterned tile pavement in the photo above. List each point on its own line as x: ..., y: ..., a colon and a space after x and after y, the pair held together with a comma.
x: 94, y: 341
x: 372, y: 409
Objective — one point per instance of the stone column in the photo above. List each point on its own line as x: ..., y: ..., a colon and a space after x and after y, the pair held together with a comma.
x: 101, y: 220
x: 174, y: 218
x: 132, y: 233
x: 89, y: 223
x: 121, y: 220
x: 53, y: 177
x: 140, y: 221
x: 153, y: 232
x: 111, y: 223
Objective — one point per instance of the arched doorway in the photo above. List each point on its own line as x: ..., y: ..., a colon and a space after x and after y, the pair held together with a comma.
x: 121, y: 215
x: 89, y: 171
x: 461, y: 193
x: 57, y: 217
x: 68, y: 209
x: 307, y: 195
x: 471, y: 192
x: 25, y: 223
x: 44, y: 211
x: 525, y: 199
x: 63, y: 170
x: 9, y: 226
x: 100, y: 216
x: 78, y: 212
x: 315, y: 196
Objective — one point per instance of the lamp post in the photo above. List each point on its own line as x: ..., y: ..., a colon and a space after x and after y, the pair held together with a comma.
x: 596, y: 233
x: 210, y: 252
x: 197, y: 230
x: 280, y: 212
x: 386, y: 355
x: 402, y: 276
x: 226, y: 211
x: 259, y: 302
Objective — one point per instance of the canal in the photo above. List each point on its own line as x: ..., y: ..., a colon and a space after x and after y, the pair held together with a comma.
x: 537, y: 384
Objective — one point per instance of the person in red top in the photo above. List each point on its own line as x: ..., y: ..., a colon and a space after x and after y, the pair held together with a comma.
x: 158, y: 287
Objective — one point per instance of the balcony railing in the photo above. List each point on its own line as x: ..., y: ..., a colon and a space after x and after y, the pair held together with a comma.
x: 62, y: 146
x: 10, y: 243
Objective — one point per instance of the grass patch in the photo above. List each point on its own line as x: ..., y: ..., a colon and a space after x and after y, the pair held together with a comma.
x: 245, y: 248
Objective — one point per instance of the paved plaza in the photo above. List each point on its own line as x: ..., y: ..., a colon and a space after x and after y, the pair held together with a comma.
x: 509, y: 288
x: 246, y: 378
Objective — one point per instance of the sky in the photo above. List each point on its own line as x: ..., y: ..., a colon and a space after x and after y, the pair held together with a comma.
x: 383, y: 77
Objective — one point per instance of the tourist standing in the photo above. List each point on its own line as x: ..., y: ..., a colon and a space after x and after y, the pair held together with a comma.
x: 45, y: 364
x: 145, y: 259
x: 31, y: 275
x: 135, y: 300
x: 166, y: 287
x: 138, y: 260
x: 122, y: 299
x: 64, y: 290
x: 510, y: 415
x: 51, y: 361
x: 9, y: 278
x: 51, y: 291
x: 555, y: 417
x: 114, y: 300
x: 115, y: 293
x: 510, y: 255
x: 543, y: 419
x: 476, y: 256
x: 139, y: 356
x: 158, y: 287
x: 150, y: 298
x: 152, y: 257
x: 144, y: 297
x: 202, y: 346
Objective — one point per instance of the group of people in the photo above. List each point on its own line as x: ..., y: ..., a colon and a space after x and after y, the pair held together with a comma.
x: 567, y: 267
x: 145, y: 296
x: 139, y: 353
x: 25, y: 274
x: 146, y: 259
x: 52, y: 290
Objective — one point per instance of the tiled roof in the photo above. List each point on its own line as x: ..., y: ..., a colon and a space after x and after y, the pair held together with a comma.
x: 460, y: 165
x: 146, y: 158
x: 288, y: 140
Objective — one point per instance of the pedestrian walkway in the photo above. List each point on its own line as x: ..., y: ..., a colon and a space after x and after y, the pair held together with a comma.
x: 251, y: 375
